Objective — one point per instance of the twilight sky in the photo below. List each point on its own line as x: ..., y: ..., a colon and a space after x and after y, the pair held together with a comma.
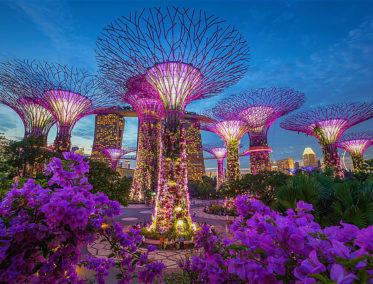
x: 323, y: 48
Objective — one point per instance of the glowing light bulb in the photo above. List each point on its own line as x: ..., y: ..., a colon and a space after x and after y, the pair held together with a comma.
x: 178, y: 209
x: 180, y: 222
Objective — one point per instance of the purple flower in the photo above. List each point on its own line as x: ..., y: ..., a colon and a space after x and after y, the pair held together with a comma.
x: 309, y: 266
x: 340, y: 275
x: 364, y: 239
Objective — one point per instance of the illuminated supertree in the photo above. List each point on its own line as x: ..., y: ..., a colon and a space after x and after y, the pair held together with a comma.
x: 17, y: 91
x: 231, y: 131
x: 356, y: 144
x: 150, y: 112
x: 68, y: 93
x: 219, y: 152
x: 115, y: 155
x: 186, y: 55
x: 328, y: 123
x: 259, y: 109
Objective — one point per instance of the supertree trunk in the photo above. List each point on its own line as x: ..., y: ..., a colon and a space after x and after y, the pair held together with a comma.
x: 331, y: 159
x: 147, y: 162
x: 171, y: 214
x: 63, y: 139
x: 220, y: 178
x: 233, y: 161
x: 260, y: 161
x: 357, y: 162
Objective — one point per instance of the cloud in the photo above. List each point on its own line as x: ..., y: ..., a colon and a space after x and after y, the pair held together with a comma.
x: 6, y: 123
x: 55, y: 20
x: 84, y: 132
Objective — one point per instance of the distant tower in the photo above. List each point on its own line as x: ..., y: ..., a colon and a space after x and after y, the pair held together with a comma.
x: 108, y: 134
x: 285, y: 165
x: 309, y: 158
x: 194, y: 152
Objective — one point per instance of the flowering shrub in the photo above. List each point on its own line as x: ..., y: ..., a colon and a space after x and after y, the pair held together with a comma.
x: 268, y: 247
x: 42, y: 230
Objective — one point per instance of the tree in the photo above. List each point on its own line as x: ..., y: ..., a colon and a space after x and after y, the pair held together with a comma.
x: 29, y: 156
x: 106, y: 180
x: 261, y: 186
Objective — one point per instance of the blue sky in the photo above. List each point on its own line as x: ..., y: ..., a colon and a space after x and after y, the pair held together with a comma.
x: 323, y: 48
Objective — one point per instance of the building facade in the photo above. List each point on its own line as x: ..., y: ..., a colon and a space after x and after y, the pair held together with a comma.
x: 108, y: 134
x: 195, y: 162
x: 285, y: 164
x: 309, y: 158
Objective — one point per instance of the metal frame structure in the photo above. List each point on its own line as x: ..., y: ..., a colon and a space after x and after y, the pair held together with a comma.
x: 68, y: 93
x: 115, y: 155
x: 17, y: 91
x: 231, y: 130
x: 356, y: 144
x: 259, y: 108
x: 185, y: 54
x: 219, y: 152
x: 327, y: 124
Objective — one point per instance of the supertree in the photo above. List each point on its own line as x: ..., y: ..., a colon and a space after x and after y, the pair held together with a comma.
x: 219, y: 152
x: 328, y: 123
x: 115, y: 155
x: 17, y: 91
x: 186, y: 55
x: 231, y: 131
x: 259, y: 109
x: 356, y: 144
x: 150, y: 112
x: 68, y: 93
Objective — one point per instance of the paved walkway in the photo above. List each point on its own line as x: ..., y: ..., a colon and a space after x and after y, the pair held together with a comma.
x: 136, y: 213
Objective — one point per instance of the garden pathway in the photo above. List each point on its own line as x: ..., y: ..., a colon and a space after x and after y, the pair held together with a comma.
x: 136, y: 213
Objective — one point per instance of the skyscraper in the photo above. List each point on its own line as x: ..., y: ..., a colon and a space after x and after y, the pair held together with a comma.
x: 309, y: 158
x: 195, y: 162
x: 108, y: 134
x: 285, y: 164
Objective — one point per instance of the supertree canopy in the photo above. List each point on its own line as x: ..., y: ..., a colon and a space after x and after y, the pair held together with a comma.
x: 115, y: 155
x: 259, y: 109
x: 68, y: 93
x: 231, y: 131
x: 356, y: 144
x: 17, y: 91
x: 328, y: 123
x: 185, y: 55
x: 219, y: 152
x: 150, y: 112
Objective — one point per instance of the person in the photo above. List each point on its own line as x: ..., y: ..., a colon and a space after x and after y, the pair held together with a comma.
x: 181, y: 242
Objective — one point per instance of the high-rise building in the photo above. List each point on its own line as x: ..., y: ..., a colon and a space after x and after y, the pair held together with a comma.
x: 274, y: 167
x: 108, y: 134
x: 296, y: 165
x: 309, y: 158
x: 195, y: 162
x: 126, y: 164
x: 285, y: 164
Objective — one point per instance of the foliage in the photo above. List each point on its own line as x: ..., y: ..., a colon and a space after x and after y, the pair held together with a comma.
x: 262, y: 186
x: 171, y: 214
x: 220, y: 209
x: 205, y: 189
x: 42, y: 230
x: 350, y: 201
x: 28, y: 156
x: 6, y: 170
x: 106, y: 180
x: 268, y: 247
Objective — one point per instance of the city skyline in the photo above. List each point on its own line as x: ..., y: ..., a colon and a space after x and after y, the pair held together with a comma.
x: 327, y: 56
